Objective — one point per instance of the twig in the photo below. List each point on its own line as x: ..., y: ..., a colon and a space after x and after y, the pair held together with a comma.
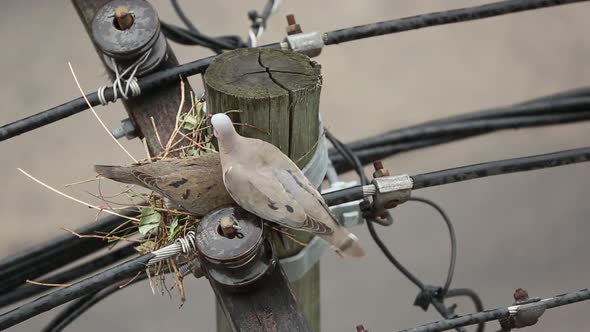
x: 102, y: 237
x: 130, y: 280
x: 156, y: 131
x: 147, y: 150
x: 96, y: 114
x: 81, y: 182
x: 75, y: 199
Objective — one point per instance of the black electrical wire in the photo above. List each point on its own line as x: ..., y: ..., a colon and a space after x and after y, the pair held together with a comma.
x: 498, y: 167
x: 383, y: 146
x: 187, y: 37
x: 367, y: 156
x: 81, y: 288
x: 80, y: 306
x: 193, y: 36
x: 183, y: 17
x: 438, y: 18
x: 470, y: 172
x: 499, y: 313
x: 53, y: 254
x: 68, y: 275
x: 529, y: 114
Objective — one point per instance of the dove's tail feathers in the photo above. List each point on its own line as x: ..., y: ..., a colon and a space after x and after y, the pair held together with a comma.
x: 117, y: 173
x: 345, y: 243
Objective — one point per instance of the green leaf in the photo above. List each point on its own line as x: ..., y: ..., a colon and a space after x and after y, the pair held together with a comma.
x: 146, y: 247
x: 190, y: 121
x: 149, y: 220
x: 192, y: 152
x: 199, y: 107
x: 174, y: 229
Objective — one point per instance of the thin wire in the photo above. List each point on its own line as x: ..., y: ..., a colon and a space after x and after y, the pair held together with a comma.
x: 259, y: 21
x: 452, y: 236
x: 181, y: 14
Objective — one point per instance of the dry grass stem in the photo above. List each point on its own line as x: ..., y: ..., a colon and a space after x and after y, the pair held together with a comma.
x: 96, y: 114
x: 156, y: 131
x: 130, y: 280
x: 102, y: 237
x: 75, y: 199
x: 38, y: 283
x: 81, y: 182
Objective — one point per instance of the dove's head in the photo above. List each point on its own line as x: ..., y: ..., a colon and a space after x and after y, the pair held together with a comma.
x: 223, y: 128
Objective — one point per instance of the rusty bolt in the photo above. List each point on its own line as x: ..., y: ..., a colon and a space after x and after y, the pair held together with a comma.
x: 227, y: 226
x: 365, y: 205
x: 292, y: 27
x: 380, y: 171
x: 390, y: 204
x: 361, y: 328
x: 520, y: 295
x: 378, y: 164
x: 123, y: 18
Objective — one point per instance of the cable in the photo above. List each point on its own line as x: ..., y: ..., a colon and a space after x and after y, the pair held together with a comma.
x: 438, y: 18
x: 189, y: 24
x: 383, y: 146
x: 187, y: 37
x: 28, y: 290
x: 80, y: 306
x: 499, y: 313
x: 53, y: 254
x: 529, y: 114
x: 498, y: 167
x: 81, y: 288
x: 452, y: 236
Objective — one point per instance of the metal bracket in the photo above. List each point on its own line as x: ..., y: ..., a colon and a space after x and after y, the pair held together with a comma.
x: 296, y: 266
x: 348, y: 214
x: 310, y: 43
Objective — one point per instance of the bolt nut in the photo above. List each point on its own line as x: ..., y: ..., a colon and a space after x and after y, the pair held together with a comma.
x: 520, y: 295
x: 292, y: 27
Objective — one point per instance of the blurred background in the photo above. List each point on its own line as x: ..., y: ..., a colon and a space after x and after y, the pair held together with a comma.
x: 526, y: 230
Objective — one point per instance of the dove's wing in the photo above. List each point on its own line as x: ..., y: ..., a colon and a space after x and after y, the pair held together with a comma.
x: 263, y: 195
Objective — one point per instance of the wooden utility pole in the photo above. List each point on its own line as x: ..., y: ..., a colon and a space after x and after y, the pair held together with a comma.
x: 278, y: 94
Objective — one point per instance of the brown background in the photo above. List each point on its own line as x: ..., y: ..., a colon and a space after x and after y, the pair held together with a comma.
x: 526, y: 230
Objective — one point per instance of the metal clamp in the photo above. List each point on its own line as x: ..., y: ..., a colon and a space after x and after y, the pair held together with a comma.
x: 310, y: 43
x: 392, y: 190
x: 525, y: 311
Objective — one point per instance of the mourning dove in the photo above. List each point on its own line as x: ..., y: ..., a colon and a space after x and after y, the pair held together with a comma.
x: 191, y: 184
x: 265, y: 182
